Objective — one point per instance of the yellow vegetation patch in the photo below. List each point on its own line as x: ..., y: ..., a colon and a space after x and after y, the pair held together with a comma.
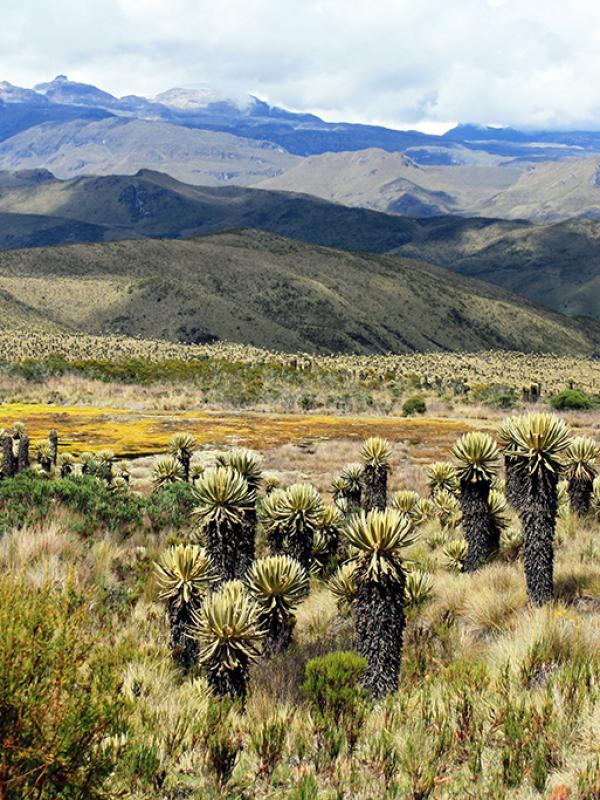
x: 130, y: 433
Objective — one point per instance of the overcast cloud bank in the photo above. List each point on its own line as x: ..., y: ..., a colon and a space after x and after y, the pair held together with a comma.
x: 427, y: 64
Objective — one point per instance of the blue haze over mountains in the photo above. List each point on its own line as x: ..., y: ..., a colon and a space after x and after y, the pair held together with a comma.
x: 62, y: 100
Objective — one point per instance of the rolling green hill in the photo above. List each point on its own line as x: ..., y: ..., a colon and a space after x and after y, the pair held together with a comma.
x: 555, y: 264
x: 256, y: 288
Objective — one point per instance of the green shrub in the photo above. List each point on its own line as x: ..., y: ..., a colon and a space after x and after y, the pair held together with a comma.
x: 27, y: 498
x: 571, y: 399
x: 24, y: 499
x: 414, y: 405
x: 307, y: 402
x: 331, y: 684
x: 116, y: 509
x: 495, y: 396
x: 171, y: 506
x: 338, y: 702
x: 59, y: 696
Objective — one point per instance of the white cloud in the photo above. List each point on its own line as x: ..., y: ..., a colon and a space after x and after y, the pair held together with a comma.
x: 519, y: 62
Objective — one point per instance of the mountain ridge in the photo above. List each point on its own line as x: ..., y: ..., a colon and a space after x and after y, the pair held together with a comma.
x: 303, y: 133
x: 393, y: 183
x: 556, y: 264
x: 205, y: 137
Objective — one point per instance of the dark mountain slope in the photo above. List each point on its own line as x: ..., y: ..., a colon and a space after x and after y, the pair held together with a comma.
x: 272, y: 292
x: 153, y: 204
x: 554, y: 264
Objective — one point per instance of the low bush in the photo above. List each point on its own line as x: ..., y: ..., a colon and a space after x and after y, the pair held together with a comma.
x: 27, y: 498
x: 338, y: 702
x: 170, y: 506
x: 117, y: 509
x: 495, y: 396
x: 24, y: 499
x: 414, y: 405
x: 59, y: 696
x: 331, y: 684
x: 571, y: 400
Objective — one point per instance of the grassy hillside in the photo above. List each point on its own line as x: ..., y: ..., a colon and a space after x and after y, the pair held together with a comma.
x: 17, y: 314
x: 551, y: 191
x: 271, y: 292
x: 557, y: 265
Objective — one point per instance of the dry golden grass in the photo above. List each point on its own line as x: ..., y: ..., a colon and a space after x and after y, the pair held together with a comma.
x: 473, y: 652
x: 542, y: 640
x: 486, y: 604
x: 457, y: 648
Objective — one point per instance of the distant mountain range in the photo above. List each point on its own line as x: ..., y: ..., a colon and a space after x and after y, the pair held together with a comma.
x: 199, y: 137
x: 299, y: 133
x: 514, y: 209
x: 126, y: 145
x: 556, y: 264
x: 391, y: 182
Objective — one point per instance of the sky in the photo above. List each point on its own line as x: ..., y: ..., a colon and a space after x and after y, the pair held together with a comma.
x: 423, y: 64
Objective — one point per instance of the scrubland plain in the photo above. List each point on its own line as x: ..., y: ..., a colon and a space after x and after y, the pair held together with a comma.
x: 496, y: 697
